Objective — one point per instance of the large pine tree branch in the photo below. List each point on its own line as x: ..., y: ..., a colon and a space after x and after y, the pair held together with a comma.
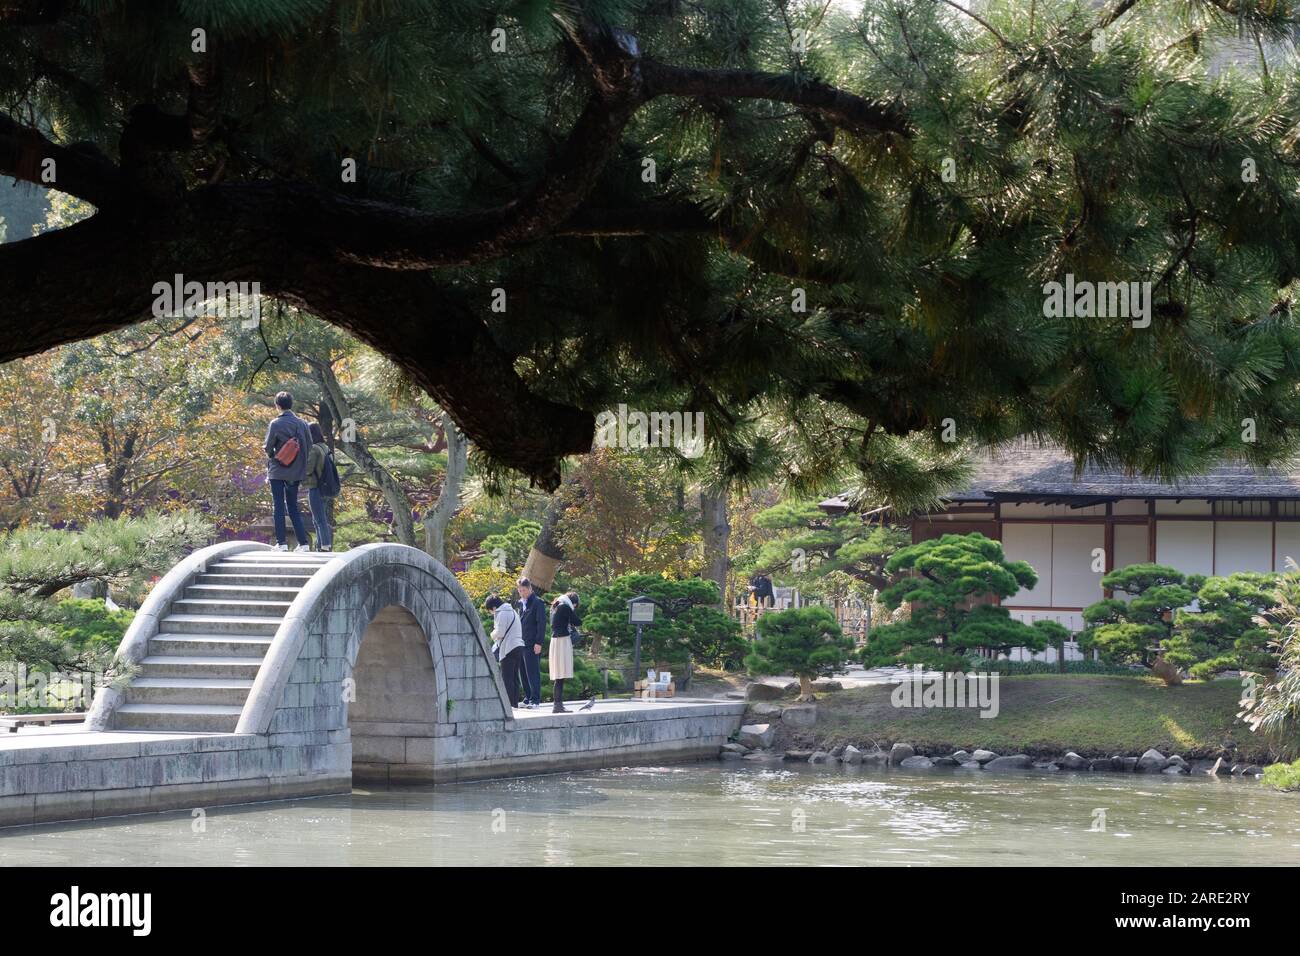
x: 75, y: 283
x: 843, y: 109
x: 80, y: 170
x: 106, y: 268
x: 447, y: 350
x: 391, y: 236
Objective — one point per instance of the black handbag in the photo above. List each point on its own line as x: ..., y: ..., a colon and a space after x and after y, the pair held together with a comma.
x: 575, y: 636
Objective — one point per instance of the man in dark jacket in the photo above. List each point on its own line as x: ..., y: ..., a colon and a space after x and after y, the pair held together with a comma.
x: 761, y: 585
x: 532, y: 615
x: 284, y: 478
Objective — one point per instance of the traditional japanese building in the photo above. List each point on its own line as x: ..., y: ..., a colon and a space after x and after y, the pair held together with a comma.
x: 1072, y: 529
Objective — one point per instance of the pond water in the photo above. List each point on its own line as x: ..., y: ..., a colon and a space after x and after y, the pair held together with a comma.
x: 716, y: 814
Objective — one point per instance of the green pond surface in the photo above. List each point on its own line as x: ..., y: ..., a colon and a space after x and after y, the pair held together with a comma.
x: 716, y: 814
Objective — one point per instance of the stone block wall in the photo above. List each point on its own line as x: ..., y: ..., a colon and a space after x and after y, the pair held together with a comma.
x: 388, y: 646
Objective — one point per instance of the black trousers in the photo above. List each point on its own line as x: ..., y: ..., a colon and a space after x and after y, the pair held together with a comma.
x: 511, y: 670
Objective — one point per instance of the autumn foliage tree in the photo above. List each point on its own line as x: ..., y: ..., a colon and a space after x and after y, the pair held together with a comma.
x: 34, y: 466
x: 622, y: 514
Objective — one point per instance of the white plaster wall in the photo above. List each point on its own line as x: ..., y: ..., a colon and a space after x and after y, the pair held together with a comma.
x: 1185, y: 545
x: 1130, y: 544
x: 1032, y: 543
x: 1288, y: 544
x: 1243, y: 546
x: 1074, y: 582
x: 1073, y: 620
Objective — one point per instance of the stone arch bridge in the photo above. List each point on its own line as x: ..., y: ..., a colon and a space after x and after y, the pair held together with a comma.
x: 252, y: 674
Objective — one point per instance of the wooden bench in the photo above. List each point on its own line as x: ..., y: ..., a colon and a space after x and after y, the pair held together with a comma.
x: 12, y: 723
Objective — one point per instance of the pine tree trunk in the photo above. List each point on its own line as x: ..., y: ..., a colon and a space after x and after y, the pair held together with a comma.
x: 805, y: 689
x: 717, y: 538
x: 394, y: 496
x: 437, y: 519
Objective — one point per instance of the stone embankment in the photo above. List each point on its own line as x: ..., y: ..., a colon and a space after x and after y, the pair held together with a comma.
x: 765, y: 716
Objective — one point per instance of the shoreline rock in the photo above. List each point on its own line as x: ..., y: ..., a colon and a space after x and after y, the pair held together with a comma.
x: 1153, y: 761
x: 756, y: 736
x: 1016, y: 762
x: 900, y: 752
x: 755, y: 741
x: 1072, y: 761
x: 799, y: 715
x: 760, y: 691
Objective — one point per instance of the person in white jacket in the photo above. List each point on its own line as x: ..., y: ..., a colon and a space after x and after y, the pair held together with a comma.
x: 508, y: 637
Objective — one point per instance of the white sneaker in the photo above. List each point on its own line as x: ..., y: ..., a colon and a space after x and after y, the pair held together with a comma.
x: 281, y: 547
x: 302, y: 547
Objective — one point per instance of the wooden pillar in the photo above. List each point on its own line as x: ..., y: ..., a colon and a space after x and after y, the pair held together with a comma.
x: 1151, y: 530
x: 1108, y: 544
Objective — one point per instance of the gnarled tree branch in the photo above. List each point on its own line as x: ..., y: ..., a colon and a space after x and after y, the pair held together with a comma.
x: 80, y: 170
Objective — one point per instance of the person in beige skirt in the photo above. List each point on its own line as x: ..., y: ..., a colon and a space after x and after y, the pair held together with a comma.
x: 564, y: 616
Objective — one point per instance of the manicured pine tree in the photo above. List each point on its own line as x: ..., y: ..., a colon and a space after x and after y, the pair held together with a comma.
x: 806, y: 642
x: 1135, y: 630
x: 1230, y: 628
x: 947, y: 582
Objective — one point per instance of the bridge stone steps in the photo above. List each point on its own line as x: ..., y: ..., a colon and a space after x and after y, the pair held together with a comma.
x: 270, y: 554
x: 205, y: 665
x: 248, y: 624
x: 254, y: 578
x: 251, y: 607
x: 246, y: 567
x: 191, y: 690
x: 210, y: 645
x: 203, y: 718
x: 241, y: 592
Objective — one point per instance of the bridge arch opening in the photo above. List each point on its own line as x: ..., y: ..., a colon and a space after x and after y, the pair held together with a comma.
x: 394, y: 702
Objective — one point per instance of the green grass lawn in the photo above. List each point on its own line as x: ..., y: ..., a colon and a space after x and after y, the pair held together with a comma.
x: 1095, y: 716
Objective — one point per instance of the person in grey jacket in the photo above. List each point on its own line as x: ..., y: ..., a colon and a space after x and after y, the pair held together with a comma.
x: 283, y: 478
x: 509, y: 637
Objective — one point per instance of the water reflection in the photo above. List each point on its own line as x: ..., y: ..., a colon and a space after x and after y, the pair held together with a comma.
x: 716, y: 814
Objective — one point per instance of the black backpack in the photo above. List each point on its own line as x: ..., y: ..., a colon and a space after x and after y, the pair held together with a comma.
x: 329, y: 483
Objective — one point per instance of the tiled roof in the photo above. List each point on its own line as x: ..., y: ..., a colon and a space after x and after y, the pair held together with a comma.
x: 1044, y: 472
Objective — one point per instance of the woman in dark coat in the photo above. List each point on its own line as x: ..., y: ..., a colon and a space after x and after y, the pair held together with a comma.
x: 564, y: 615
